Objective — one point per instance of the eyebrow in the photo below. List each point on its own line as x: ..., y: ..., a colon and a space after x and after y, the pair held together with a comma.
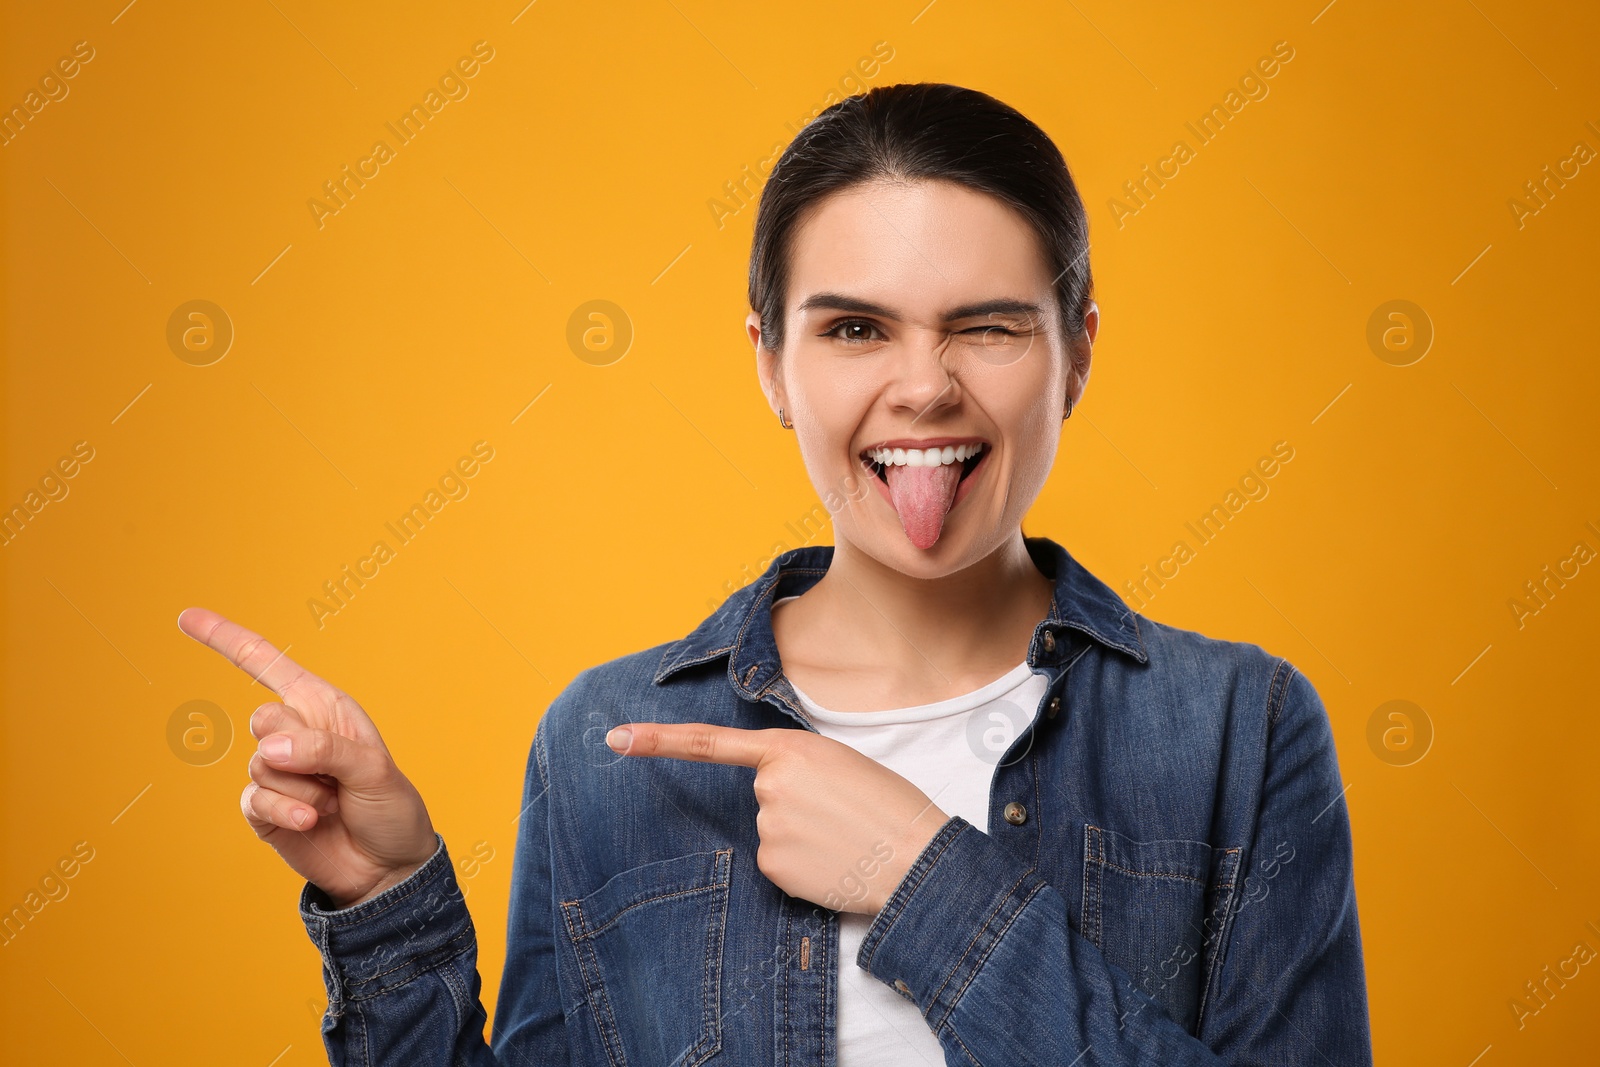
x: 843, y: 302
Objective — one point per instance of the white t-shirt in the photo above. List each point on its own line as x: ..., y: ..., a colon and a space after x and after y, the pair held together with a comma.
x: 949, y: 750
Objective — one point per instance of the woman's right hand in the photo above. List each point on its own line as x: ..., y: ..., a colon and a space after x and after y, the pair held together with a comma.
x: 335, y: 806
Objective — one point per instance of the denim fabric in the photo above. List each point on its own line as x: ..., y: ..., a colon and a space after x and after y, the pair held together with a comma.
x: 1178, y: 888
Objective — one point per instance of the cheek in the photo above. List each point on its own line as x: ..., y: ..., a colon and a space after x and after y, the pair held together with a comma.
x: 1034, y: 444
x: 832, y: 398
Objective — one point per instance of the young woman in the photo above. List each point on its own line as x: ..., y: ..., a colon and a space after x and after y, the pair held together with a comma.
x: 930, y: 795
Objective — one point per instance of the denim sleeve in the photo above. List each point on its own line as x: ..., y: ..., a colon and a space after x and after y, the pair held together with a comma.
x: 401, y: 968
x: 982, y: 943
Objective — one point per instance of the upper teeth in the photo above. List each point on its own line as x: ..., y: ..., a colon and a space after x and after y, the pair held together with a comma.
x: 924, y: 457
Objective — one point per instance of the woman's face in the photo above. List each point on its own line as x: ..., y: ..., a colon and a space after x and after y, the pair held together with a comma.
x: 922, y: 316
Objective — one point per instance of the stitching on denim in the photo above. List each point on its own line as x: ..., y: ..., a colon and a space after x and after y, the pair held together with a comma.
x: 830, y: 1008
x: 903, y: 892
x: 1154, y: 874
x: 539, y: 743
x: 1005, y: 927
x: 1225, y: 896
x: 1158, y: 872
x: 708, y: 1040
x: 1225, y: 935
x: 1138, y: 635
x: 750, y: 616
x: 594, y: 992
x: 770, y: 686
x: 589, y: 933
x: 1083, y: 904
x: 457, y: 991
x: 360, y: 1021
x: 1038, y: 806
x: 687, y: 661
x: 335, y: 919
x: 419, y: 964
x: 765, y: 595
x: 1276, y: 694
x: 964, y: 1049
x: 711, y: 1021
x: 983, y: 929
x: 1234, y: 873
x: 1094, y: 862
x: 1117, y: 644
x: 783, y: 989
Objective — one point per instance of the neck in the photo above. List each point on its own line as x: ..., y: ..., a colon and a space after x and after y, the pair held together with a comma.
x: 973, y: 620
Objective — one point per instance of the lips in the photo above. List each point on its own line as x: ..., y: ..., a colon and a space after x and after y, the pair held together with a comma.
x: 924, y: 479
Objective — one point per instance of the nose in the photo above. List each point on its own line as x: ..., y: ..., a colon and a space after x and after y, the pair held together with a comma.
x: 922, y: 375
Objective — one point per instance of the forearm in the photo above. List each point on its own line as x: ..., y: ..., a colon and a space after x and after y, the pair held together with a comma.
x: 983, y: 946
x: 400, y: 967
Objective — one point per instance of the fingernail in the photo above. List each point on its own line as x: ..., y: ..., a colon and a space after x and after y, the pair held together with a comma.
x: 299, y: 816
x: 618, y: 738
x: 275, y: 748
x: 332, y: 806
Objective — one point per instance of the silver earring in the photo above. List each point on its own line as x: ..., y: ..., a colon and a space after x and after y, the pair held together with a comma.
x: 786, y: 424
x: 1068, y: 415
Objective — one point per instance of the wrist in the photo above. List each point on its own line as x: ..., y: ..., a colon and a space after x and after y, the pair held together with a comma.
x: 388, y: 881
x: 906, y: 851
x: 391, y: 876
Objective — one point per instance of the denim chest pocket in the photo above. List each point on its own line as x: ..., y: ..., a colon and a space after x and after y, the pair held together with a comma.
x: 649, y: 947
x: 1159, y: 910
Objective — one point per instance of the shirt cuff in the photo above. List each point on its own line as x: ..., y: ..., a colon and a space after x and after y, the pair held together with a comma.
x: 384, y: 942
x: 959, y: 897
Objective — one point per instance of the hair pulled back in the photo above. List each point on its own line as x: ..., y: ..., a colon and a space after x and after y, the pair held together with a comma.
x: 916, y: 131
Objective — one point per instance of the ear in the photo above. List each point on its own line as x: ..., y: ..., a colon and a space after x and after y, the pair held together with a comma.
x: 1083, y: 351
x: 766, y: 365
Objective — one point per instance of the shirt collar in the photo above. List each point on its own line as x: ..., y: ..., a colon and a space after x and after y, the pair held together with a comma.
x: 741, y: 628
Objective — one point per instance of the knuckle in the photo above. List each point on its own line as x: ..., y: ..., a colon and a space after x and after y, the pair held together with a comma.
x: 244, y: 651
x: 262, y: 716
x: 702, y: 744
x: 257, y: 804
x: 319, y: 746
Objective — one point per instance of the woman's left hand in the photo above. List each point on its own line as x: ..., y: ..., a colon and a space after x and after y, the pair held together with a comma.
x: 836, y: 827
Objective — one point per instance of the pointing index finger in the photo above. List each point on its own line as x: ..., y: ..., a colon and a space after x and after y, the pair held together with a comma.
x: 698, y: 741
x: 245, y: 649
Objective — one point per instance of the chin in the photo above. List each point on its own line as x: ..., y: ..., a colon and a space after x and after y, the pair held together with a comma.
x: 955, y: 550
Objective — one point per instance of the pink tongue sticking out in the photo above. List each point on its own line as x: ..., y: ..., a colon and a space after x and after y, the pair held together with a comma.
x: 922, y: 496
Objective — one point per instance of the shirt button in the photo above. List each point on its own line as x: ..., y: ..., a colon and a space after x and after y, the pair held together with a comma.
x: 1016, y: 814
x: 1055, y: 706
x: 1049, y: 641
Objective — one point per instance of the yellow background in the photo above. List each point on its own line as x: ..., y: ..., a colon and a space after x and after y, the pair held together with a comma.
x: 370, y: 354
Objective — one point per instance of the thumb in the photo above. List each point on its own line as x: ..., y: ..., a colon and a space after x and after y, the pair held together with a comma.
x: 310, y: 751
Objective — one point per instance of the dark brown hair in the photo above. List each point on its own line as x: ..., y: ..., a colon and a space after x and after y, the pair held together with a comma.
x: 923, y: 130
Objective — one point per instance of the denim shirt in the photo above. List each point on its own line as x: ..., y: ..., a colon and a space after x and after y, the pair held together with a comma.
x: 1165, y: 877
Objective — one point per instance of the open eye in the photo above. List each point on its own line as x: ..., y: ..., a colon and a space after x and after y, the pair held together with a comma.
x: 833, y: 331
